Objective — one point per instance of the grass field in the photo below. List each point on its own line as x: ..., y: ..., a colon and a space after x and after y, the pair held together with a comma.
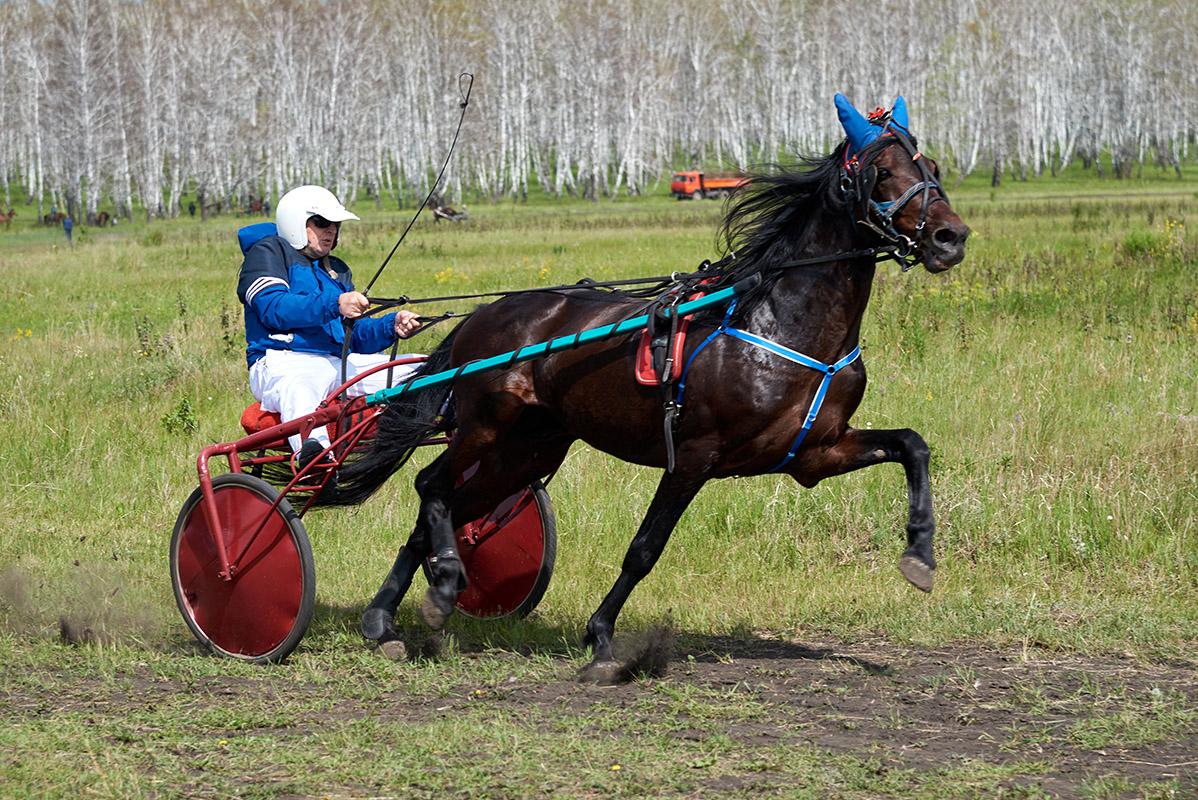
x: 1052, y: 373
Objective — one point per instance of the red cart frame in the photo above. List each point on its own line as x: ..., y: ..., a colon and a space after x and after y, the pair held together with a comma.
x: 242, y: 566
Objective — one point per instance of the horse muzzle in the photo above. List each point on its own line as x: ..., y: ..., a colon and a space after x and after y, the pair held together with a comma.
x: 944, y: 247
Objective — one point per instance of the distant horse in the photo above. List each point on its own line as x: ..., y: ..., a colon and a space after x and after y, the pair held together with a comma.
x: 6, y: 217
x: 768, y: 386
x: 441, y: 210
x: 103, y: 218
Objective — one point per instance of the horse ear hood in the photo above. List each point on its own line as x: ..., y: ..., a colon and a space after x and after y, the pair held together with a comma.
x: 899, y: 114
x: 857, y: 128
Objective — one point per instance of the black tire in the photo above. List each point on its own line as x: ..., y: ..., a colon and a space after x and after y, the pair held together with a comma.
x: 258, y: 578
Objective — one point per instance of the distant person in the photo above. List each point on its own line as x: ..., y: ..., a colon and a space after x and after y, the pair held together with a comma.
x: 191, y: 209
x: 266, y: 206
x: 68, y: 225
x: 296, y: 296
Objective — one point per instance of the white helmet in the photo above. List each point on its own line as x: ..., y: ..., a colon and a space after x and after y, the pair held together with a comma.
x: 302, y: 202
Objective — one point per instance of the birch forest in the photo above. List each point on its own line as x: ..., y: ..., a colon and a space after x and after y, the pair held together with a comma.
x: 138, y: 106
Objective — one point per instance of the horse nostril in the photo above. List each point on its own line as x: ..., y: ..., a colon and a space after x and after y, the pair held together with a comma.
x: 950, y: 236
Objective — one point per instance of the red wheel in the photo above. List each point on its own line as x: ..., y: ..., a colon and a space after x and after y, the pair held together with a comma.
x: 262, y: 613
x: 509, y: 556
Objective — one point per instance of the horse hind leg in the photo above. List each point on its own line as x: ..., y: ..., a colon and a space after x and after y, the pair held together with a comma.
x: 447, y: 575
x: 505, y: 467
x: 377, y: 623
x: 378, y: 620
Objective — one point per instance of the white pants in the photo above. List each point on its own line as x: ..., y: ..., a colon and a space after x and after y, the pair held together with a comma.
x: 294, y: 384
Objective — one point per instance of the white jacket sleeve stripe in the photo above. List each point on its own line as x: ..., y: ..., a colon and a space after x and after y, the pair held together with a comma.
x: 259, y: 285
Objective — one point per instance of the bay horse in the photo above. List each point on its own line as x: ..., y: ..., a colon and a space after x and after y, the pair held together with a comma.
x: 769, y: 385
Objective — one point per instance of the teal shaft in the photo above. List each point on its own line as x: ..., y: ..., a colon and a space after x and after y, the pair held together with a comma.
x: 542, y: 349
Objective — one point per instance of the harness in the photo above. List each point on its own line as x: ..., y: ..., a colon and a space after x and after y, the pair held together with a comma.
x: 859, y: 176
x: 857, y: 180
x: 817, y: 402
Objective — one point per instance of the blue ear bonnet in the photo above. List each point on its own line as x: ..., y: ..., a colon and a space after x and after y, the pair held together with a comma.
x: 859, y: 130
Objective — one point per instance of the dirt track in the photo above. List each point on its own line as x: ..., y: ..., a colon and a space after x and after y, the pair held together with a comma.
x: 917, y: 708
x: 1063, y: 723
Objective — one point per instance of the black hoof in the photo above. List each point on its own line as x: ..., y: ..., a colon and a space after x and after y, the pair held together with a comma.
x: 917, y: 572
x: 376, y: 624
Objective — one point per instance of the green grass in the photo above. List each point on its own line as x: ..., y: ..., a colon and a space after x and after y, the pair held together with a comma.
x: 1052, y: 374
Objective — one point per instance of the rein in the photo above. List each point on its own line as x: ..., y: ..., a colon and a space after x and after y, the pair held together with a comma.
x: 659, y: 287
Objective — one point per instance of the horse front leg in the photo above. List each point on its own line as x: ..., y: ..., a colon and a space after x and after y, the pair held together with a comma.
x: 864, y: 448
x: 674, y: 494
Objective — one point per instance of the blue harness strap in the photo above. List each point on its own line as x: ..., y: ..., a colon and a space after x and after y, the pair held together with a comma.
x: 817, y: 402
x: 710, y: 338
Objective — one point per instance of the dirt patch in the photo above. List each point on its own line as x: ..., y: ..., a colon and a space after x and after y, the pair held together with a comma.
x: 87, y: 606
x: 1058, y: 723
x: 1085, y: 717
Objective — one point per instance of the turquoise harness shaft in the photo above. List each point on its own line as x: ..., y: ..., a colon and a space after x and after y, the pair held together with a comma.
x: 574, y: 340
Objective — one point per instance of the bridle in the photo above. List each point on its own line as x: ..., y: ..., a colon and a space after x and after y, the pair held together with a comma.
x: 858, y: 176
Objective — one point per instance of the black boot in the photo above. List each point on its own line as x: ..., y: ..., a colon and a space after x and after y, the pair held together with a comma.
x: 307, y: 453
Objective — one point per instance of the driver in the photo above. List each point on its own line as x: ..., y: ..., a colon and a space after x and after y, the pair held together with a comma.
x: 295, y: 296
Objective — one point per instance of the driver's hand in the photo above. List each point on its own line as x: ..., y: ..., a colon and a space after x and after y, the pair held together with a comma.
x: 406, y: 323
x: 352, y: 304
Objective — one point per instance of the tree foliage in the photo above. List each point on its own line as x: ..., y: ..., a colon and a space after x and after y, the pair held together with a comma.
x: 139, y: 101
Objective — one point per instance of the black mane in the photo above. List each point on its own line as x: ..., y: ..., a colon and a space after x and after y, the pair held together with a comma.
x: 771, y: 218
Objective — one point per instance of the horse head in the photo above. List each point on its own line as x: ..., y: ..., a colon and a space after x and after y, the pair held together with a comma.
x: 895, y: 190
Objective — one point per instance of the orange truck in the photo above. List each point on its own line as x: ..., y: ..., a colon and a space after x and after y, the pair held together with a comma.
x: 695, y: 185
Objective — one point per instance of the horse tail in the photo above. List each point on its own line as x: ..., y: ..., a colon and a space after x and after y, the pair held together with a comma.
x: 405, y: 423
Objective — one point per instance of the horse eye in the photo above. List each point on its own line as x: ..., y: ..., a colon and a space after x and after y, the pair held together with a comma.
x: 883, y: 173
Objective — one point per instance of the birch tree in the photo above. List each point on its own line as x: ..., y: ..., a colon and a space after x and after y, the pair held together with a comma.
x: 141, y: 102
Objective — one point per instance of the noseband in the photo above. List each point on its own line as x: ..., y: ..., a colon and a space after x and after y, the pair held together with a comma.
x: 858, y: 177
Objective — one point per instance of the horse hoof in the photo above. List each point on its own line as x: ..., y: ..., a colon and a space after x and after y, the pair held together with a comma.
x: 603, y: 673
x: 917, y: 572
x: 393, y: 650
x: 375, y: 624
x: 433, y: 611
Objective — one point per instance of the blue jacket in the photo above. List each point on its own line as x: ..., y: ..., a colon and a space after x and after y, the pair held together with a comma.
x: 291, y: 304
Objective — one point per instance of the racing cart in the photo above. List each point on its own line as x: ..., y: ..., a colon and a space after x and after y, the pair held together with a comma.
x: 240, y: 559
